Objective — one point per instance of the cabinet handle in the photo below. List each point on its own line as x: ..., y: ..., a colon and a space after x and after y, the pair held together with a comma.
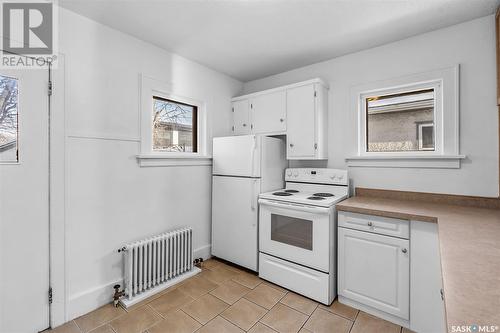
x: 244, y: 125
x: 441, y: 291
x: 282, y: 120
x: 370, y: 224
x: 404, y: 250
x: 291, y: 145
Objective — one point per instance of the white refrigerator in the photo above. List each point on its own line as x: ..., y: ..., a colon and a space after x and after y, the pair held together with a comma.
x: 243, y: 167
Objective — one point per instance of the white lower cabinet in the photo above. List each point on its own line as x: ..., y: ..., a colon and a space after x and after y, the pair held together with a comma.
x: 397, y: 278
x: 375, y: 270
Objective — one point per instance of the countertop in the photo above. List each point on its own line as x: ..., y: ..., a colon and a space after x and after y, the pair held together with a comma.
x: 469, y: 240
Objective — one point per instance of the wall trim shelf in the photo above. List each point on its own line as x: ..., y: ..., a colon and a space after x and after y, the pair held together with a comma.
x: 407, y: 161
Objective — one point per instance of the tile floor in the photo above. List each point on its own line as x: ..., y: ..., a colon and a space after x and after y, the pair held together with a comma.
x: 223, y: 298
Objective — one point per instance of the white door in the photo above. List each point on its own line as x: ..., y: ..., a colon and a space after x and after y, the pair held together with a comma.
x: 297, y: 233
x: 24, y: 256
x: 237, y: 156
x: 234, y: 220
x: 375, y: 270
x: 300, y: 102
x: 268, y: 112
x: 241, y: 117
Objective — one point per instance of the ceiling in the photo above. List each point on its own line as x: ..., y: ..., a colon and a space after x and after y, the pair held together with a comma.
x: 250, y: 39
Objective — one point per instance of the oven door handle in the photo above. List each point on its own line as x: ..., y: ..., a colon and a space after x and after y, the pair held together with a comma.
x: 302, y: 208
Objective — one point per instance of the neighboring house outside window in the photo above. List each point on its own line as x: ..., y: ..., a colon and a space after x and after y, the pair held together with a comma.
x: 8, y: 119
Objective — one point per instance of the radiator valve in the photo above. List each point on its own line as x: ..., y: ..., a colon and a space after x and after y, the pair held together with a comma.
x: 198, y: 262
x: 118, y: 294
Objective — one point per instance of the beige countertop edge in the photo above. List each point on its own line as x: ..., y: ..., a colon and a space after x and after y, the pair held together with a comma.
x: 387, y: 213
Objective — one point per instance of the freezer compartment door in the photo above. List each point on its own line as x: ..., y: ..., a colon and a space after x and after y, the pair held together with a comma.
x: 237, y: 156
x: 234, y: 220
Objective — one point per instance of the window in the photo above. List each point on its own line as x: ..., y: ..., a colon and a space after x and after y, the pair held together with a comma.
x: 408, y: 122
x: 174, y: 126
x: 400, y: 122
x: 8, y: 119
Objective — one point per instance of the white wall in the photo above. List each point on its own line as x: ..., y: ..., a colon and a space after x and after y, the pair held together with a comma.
x: 110, y: 200
x: 472, y: 45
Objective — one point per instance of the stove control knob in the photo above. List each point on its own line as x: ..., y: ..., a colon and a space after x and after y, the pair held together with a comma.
x: 289, y: 173
x: 340, y: 177
x: 296, y: 174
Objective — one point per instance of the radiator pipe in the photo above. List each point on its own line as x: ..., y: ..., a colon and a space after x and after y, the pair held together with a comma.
x: 118, y: 294
x: 123, y: 249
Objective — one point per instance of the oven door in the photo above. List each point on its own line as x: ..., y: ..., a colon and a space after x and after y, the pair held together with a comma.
x: 297, y: 233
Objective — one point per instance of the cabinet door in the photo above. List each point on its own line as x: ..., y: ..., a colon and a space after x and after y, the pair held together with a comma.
x: 375, y: 270
x: 268, y: 112
x: 241, y: 117
x: 300, y: 103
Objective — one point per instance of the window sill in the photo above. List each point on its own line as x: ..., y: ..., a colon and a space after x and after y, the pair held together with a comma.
x: 158, y: 160
x: 407, y: 161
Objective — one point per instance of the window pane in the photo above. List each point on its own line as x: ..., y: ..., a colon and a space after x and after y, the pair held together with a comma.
x: 401, y: 122
x: 8, y: 119
x: 174, y: 126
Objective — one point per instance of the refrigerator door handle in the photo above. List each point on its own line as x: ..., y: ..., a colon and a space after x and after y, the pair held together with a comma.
x: 253, y: 196
x: 254, y: 146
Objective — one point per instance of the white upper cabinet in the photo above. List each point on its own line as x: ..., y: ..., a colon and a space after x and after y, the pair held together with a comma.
x: 268, y: 112
x: 241, y: 117
x: 298, y: 110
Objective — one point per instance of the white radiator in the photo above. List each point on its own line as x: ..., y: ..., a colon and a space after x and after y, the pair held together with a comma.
x: 156, y: 263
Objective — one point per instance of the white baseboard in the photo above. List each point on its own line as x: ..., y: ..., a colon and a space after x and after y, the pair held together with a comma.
x: 93, y: 298
x: 204, y: 252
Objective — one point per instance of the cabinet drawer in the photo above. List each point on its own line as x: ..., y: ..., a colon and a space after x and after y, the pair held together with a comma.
x: 376, y: 224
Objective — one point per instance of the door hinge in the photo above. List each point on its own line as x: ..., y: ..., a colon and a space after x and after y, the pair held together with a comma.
x: 49, y: 88
x: 233, y: 109
x: 232, y: 128
x: 251, y: 126
x: 251, y: 106
x: 50, y: 295
x: 315, y: 146
x: 315, y: 94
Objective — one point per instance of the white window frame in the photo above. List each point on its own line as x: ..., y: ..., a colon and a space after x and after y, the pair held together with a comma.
x: 420, y: 135
x: 444, y: 82
x: 151, y: 88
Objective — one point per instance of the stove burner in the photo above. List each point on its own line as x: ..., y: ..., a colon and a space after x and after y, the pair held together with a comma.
x: 316, y: 198
x: 325, y: 195
x: 282, y: 194
x: 291, y: 191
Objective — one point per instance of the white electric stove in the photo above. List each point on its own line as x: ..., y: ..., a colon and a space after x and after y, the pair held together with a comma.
x: 297, y: 232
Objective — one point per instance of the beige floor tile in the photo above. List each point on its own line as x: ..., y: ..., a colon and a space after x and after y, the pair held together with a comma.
x: 366, y: 323
x: 98, y: 317
x: 247, y: 279
x: 341, y: 310
x: 261, y: 328
x: 300, y: 303
x: 136, y: 321
x: 210, y: 263
x: 265, y: 296
x: 103, y: 329
x: 205, y: 308
x: 176, y: 322
x: 220, y: 325
x: 171, y: 302
x: 244, y: 314
x: 197, y: 286
x: 230, y: 291
x: 323, y: 321
x: 406, y: 330
x: 284, y: 319
x: 69, y: 327
x: 218, y: 274
x: 303, y: 330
